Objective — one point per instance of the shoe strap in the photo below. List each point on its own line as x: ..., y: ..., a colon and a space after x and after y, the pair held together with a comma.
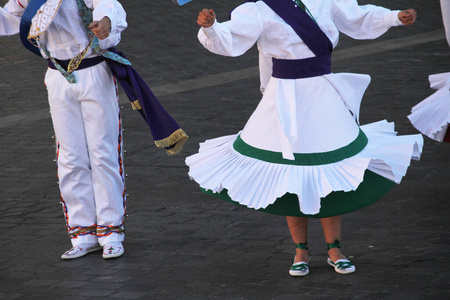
x: 302, y: 246
x: 300, y: 267
x: 335, y: 244
x: 343, y: 264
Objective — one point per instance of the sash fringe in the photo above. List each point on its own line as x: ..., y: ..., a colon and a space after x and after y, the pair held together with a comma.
x: 174, y: 143
x: 136, y: 105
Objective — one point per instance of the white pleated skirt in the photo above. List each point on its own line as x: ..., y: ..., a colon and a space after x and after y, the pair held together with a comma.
x: 302, y: 152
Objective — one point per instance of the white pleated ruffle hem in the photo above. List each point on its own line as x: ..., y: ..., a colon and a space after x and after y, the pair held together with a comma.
x: 257, y: 184
x: 432, y: 116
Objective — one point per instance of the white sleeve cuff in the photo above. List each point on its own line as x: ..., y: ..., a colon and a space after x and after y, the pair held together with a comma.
x: 211, y: 32
x: 391, y: 18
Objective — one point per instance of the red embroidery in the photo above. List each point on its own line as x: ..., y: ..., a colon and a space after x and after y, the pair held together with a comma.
x: 20, y: 4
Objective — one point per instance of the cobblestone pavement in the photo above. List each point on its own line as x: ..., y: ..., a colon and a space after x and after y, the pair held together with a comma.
x: 182, y: 244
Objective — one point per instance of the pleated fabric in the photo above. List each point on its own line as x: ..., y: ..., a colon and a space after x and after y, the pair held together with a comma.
x: 257, y: 184
x: 432, y: 116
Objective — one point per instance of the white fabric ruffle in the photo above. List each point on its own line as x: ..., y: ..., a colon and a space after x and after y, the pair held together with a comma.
x: 257, y: 184
x: 432, y: 115
x: 351, y: 88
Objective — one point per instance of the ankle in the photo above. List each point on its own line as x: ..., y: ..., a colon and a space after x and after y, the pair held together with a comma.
x: 334, y: 250
x: 335, y: 254
x: 301, y: 252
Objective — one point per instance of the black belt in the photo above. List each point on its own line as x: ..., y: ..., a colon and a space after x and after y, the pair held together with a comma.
x: 85, y: 63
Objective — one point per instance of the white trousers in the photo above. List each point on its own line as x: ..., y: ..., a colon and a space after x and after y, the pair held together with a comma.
x: 87, y: 123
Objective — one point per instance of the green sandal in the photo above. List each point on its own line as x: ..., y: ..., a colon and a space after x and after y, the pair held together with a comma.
x: 341, y: 266
x: 300, y: 268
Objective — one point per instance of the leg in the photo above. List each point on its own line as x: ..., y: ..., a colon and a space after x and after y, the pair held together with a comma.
x: 299, y: 232
x: 102, y: 121
x: 332, y: 231
x: 74, y: 172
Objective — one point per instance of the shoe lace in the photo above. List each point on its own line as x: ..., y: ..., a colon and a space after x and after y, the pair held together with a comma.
x: 344, y: 265
x: 300, y: 267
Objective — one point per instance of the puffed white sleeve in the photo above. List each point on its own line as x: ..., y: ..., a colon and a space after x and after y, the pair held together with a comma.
x: 10, y: 16
x: 115, y: 12
x: 365, y: 21
x: 236, y: 36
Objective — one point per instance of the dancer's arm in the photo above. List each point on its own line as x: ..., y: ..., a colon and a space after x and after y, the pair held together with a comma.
x: 234, y: 37
x: 368, y: 21
x: 10, y: 16
x: 109, y: 20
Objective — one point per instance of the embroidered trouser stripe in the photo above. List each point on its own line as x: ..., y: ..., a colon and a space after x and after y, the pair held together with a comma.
x: 103, y: 231
x: 75, y: 232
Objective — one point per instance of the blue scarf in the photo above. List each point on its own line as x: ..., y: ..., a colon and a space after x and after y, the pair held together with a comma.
x: 25, y: 24
x: 310, y: 33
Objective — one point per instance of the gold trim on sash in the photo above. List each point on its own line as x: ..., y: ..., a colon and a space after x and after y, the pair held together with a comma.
x: 76, y: 61
x: 176, y: 139
x: 43, y: 18
x: 136, y: 105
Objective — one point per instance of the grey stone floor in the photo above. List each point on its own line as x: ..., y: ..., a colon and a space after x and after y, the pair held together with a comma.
x: 182, y: 244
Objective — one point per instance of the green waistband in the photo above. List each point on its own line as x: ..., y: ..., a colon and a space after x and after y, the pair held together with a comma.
x: 303, y: 159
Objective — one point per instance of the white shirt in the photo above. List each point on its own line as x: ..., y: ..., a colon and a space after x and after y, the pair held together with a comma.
x: 66, y: 37
x: 256, y: 22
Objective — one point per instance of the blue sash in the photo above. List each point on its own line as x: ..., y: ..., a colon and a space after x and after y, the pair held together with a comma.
x: 25, y: 24
x: 311, y: 34
x: 165, y: 130
x: 303, y: 25
x: 301, y: 68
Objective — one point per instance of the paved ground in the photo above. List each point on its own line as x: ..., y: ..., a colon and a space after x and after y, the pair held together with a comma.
x: 180, y: 243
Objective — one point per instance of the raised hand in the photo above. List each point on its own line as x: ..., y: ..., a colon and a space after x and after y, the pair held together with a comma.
x: 206, y: 18
x: 101, y: 28
x: 408, y: 16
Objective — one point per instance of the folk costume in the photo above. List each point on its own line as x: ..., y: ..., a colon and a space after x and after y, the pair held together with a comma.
x: 302, y: 152
x: 83, y: 95
x: 432, y: 116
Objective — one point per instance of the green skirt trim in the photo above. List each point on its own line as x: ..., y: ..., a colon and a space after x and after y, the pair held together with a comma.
x: 337, y: 203
x: 303, y: 159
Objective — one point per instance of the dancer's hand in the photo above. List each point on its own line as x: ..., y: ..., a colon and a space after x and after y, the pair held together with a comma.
x: 408, y: 16
x: 101, y: 28
x: 206, y: 18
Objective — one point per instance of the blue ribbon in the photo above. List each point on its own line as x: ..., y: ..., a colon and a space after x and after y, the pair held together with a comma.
x: 306, y: 28
x: 161, y: 124
x: 25, y: 23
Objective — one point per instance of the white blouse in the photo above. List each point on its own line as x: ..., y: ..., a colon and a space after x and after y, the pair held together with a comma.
x: 66, y: 36
x: 256, y: 22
